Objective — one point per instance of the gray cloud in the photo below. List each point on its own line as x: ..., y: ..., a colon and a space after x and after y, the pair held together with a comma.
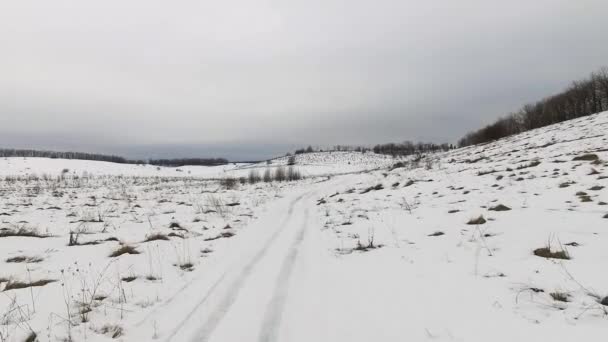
x: 243, y: 77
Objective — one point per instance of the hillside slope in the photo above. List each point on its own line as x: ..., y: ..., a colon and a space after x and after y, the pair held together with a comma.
x: 500, y: 242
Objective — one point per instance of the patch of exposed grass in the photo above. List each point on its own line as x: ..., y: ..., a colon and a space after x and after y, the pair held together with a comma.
x: 596, y: 188
x: 225, y: 234
x: 500, y: 207
x: 488, y: 172
x: 187, y: 266
x: 129, y: 279
x: 23, y: 232
x: 175, y: 225
x: 373, y: 188
x: 586, y: 157
x: 124, y: 249
x: 546, y: 252
x: 585, y: 199
x: 397, y: 165
x: 24, y: 259
x: 17, y: 285
x: 477, y: 220
x: 533, y: 163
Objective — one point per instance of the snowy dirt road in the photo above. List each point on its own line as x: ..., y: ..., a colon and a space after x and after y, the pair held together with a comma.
x: 266, y: 287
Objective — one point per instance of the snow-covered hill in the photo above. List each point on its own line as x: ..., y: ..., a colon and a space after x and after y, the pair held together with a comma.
x: 310, y: 164
x: 500, y: 242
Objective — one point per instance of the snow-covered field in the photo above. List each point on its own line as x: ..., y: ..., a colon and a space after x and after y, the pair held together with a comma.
x: 311, y: 164
x: 500, y: 242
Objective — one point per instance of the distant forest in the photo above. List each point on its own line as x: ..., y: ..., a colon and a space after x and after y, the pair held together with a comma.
x: 109, y: 158
x: 581, y: 98
x: 394, y: 149
x: 189, y: 161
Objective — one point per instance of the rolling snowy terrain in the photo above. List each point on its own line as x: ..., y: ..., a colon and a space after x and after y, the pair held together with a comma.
x: 500, y: 242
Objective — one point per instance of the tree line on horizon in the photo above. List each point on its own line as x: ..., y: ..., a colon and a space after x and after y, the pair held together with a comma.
x: 405, y: 148
x: 30, y: 153
x: 584, y: 97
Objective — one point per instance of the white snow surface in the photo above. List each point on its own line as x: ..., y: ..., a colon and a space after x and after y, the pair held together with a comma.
x: 310, y: 164
x: 370, y: 253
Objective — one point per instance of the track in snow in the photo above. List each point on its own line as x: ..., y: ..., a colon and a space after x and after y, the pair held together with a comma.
x: 254, y: 289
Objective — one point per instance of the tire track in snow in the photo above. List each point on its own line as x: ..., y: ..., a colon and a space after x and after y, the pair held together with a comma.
x: 215, y: 317
x: 272, y: 319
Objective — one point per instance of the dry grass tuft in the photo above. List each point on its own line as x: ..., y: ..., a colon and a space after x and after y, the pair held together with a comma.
x: 560, y: 296
x: 156, y: 237
x: 114, y: 331
x: 586, y: 157
x: 124, y: 249
x: 25, y: 259
x: 129, y: 279
x: 17, y: 285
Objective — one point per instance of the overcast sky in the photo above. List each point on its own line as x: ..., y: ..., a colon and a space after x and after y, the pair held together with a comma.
x: 248, y: 79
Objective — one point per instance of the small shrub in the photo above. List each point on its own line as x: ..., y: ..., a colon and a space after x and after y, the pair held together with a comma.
x: 437, y: 233
x: 267, y: 176
x: 254, y: 177
x: 280, y: 175
x: 293, y: 174
x: 124, y: 249
x: 230, y: 183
